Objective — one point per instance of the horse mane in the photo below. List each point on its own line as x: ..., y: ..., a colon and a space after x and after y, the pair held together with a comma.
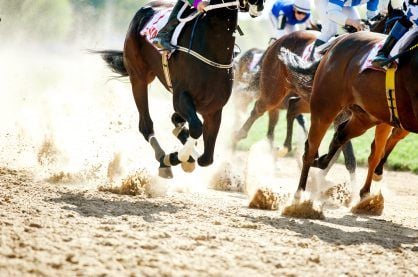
x: 296, y: 64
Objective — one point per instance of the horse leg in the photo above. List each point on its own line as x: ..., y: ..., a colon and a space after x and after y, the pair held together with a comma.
x: 273, y: 119
x: 211, y: 126
x: 294, y: 110
x: 140, y: 92
x: 350, y: 160
x: 396, y: 135
x: 355, y: 126
x: 257, y: 111
x: 377, y: 149
x: 180, y: 131
x: 185, y: 108
x: 316, y: 134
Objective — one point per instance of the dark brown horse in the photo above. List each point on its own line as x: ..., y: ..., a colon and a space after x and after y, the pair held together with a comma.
x: 339, y: 84
x: 199, y: 85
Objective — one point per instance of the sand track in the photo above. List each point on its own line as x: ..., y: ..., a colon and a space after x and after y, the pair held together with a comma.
x: 64, y: 229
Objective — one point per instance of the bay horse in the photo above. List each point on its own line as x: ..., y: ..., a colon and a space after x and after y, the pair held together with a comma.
x: 247, y: 89
x: 273, y: 89
x: 379, y: 24
x: 201, y: 76
x: 276, y: 82
x: 339, y: 84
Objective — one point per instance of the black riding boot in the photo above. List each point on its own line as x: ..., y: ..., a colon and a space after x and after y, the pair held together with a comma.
x: 398, y: 30
x: 317, y: 43
x: 162, y: 40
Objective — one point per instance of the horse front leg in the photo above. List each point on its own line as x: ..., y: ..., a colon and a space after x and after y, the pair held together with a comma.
x: 258, y: 110
x: 185, y: 108
x: 211, y: 126
x: 273, y: 119
x: 396, y: 135
x: 180, y: 131
x: 295, y: 108
x: 140, y: 92
x: 377, y: 149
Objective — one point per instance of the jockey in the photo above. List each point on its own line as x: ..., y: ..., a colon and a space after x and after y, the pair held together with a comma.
x: 286, y: 14
x: 399, y: 29
x: 162, y: 40
x: 341, y: 12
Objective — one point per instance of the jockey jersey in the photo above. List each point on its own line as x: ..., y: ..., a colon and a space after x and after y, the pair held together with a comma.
x: 412, y: 11
x: 336, y: 12
x: 335, y: 7
x: 286, y: 14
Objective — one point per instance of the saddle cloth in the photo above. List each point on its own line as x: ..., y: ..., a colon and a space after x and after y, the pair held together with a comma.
x: 399, y: 47
x: 156, y: 23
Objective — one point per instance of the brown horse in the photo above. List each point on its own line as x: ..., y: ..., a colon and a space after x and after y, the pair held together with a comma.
x: 247, y: 89
x: 199, y: 84
x: 379, y: 24
x: 340, y: 85
x: 276, y: 82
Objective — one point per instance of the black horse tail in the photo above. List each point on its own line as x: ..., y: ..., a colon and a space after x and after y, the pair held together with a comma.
x: 114, y: 60
x: 297, y: 64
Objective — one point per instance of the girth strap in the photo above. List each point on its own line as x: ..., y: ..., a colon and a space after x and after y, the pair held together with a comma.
x: 391, y: 97
x: 166, y: 70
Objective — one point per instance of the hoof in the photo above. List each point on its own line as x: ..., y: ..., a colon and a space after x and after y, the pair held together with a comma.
x: 204, y: 162
x: 188, y: 166
x: 165, y: 172
x: 282, y: 152
x: 377, y: 177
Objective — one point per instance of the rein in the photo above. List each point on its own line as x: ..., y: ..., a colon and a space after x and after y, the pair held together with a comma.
x: 195, y: 15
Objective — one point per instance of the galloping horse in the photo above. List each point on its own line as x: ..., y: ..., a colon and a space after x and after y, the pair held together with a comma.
x: 201, y: 76
x: 247, y: 89
x: 276, y: 82
x: 339, y: 84
x: 273, y: 89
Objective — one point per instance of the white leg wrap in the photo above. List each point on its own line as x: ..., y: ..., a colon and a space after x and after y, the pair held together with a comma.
x: 187, y: 150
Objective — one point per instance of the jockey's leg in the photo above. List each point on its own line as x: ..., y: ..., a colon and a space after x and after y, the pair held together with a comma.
x: 162, y: 40
x: 398, y: 30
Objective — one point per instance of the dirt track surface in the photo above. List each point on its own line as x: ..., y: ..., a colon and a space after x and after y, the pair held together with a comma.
x: 63, y: 229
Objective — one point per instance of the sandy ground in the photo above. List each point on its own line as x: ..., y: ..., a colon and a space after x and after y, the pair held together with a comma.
x: 58, y: 229
x: 63, y: 125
